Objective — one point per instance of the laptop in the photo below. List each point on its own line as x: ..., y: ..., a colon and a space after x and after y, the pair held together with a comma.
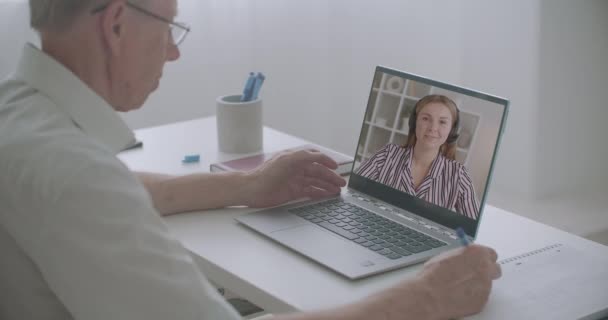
x: 383, y: 220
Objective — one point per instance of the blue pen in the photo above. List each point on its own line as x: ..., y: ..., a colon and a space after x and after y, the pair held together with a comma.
x: 462, y: 236
x: 252, y: 89
x: 248, y: 90
x: 258, y: 85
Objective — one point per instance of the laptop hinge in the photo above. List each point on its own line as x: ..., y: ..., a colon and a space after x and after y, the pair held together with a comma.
x: 424, y: 224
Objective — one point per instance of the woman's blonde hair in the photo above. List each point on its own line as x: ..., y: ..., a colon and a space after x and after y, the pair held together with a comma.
x: 448, y: 149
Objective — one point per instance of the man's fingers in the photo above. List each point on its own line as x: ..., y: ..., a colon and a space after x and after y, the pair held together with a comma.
x: 496, y: 271
x: 320, y: 172
x: 321, y: 184
x: 320, y: 166
x: 483, y: 252
x: 493, y: 254
x: 315, y: 193
x: 318, y: 157
x: 488, y: 258
x: 309, y: 149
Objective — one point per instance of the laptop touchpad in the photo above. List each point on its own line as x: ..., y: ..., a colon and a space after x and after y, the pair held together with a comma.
x: 326, y: 247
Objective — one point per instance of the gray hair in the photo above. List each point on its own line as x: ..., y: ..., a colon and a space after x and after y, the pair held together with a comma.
x: 57, y: 15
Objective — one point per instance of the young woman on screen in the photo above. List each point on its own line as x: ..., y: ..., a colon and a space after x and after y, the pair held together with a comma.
x: 425, y: 166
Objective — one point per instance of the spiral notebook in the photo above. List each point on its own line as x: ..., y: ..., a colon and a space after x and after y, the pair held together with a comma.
x: 554, y: 282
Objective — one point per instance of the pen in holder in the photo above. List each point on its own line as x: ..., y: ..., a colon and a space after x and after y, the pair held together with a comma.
x: 239, y: 124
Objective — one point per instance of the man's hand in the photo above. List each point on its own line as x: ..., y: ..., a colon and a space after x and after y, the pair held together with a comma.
x: 451, y: 285
x: 454, y: 284
x: 292, y: 175
x: 460, y: 280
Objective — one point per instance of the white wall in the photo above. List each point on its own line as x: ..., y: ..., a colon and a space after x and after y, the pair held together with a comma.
x: 14, y: 32
x: 471, y: 43
x: 573, y: 97
x: 319, y: 57
x: 215, y: 58
x: 500, y: 55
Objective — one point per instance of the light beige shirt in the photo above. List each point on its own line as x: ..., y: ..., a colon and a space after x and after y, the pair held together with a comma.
x: 79, y: 236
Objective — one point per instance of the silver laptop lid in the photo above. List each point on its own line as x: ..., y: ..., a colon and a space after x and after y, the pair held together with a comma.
x: 429, y: 147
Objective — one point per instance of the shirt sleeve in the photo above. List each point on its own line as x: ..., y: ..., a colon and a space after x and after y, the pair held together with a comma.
x: 467, y: 200
x: 91, y: 229
x: 371, y: 167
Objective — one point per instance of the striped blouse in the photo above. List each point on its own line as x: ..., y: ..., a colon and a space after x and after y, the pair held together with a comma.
x: 447, y: 185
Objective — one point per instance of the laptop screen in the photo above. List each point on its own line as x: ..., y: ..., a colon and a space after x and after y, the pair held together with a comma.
x: 428, y: 147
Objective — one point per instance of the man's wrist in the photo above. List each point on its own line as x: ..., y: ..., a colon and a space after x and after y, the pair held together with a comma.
x: 427, y: 299
x: 409, y: 300
x: 247, y: 189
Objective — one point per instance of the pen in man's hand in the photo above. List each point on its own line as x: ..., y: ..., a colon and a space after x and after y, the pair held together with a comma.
x: 462, y: 236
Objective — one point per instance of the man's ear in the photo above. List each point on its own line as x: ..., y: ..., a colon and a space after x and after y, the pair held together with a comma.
x: 113, y: 24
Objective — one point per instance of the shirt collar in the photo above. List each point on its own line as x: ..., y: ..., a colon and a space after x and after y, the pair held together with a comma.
x: 91, y: 113
x: 407, y: 179
x: 436, y: 166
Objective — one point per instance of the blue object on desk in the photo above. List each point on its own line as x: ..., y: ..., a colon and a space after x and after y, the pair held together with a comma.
x: 463, y: 237
x: 195, y: 158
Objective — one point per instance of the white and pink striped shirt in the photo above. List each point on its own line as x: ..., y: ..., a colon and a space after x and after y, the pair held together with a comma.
x: 447, y: 185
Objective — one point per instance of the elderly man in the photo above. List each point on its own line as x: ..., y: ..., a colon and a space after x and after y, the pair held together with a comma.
x: 81, y: 236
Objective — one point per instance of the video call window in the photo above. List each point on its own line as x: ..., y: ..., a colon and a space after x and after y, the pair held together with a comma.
x: 428, y: 141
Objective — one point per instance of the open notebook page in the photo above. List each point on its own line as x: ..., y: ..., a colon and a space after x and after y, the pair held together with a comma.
x: 555, y: 282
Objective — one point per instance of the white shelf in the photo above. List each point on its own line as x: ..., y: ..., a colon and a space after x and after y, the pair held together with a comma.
x: 378, y: 126
x: 415, y: 99
x: 396, y: 94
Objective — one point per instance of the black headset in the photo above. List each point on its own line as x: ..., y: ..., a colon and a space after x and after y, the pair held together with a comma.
x: 452, y: 137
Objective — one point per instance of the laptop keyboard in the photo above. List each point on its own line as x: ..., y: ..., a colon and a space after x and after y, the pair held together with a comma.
x: 367, y: 229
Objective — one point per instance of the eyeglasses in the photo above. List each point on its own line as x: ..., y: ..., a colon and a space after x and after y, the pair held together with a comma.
x: 177, y: 30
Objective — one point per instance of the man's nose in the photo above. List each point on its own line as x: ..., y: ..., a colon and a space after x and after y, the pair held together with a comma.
x: 173, y: 53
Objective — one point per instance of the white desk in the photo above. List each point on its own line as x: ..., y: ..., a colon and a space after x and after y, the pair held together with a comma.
x: 270, y: 275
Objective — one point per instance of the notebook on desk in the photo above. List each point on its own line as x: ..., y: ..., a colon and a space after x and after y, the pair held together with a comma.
x: 549, y: 283
x: 251, y: 162
x: 386, y: 219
